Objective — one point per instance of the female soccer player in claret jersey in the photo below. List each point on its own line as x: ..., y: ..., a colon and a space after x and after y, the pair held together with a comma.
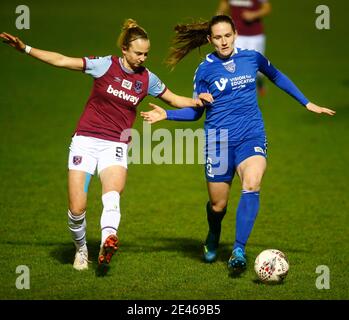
x: 120, y: 84
x: 235, y: 134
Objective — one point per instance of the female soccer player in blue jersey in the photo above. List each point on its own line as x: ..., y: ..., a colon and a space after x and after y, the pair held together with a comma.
x: 235, y: 134
x: 120, y: 84
x: 248, y: 18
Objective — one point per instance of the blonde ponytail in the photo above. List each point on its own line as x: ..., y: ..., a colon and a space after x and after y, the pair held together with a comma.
x: 130, y: 31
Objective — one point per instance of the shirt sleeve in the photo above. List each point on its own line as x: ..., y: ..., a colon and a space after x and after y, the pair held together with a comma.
x: 97, y: 66
x: 200, y: 85
x: 280, y: 79
x: 156, y: 86
x: 185, y: 114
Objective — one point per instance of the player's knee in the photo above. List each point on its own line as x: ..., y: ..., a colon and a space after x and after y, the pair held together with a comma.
x: 219, y: 205
x: 251, y: 187
x: 251, y: 184
x: 76, y: 209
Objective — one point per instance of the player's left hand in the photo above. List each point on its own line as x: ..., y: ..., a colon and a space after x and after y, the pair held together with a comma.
x: 155, y: 115
x: 314, y: 108
x: 248, y: 16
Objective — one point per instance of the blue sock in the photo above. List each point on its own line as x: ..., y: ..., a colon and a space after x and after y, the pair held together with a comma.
x: 245, y: 217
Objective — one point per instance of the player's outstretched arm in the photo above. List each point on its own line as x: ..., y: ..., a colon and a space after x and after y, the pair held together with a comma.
x: 314, y: 108
x: 155, y: 115
x: 182, y: 102
x: 52, y: 58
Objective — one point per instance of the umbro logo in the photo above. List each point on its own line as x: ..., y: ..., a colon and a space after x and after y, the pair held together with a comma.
x: 126, y: 84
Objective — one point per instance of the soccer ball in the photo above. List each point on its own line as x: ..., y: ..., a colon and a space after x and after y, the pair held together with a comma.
x: 271, y: 266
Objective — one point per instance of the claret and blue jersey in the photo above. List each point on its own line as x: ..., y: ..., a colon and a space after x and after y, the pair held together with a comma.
x: 116, y: 92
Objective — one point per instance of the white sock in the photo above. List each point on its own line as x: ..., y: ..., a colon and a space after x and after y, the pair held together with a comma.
x: 77, y: 227
x: 110, y: 218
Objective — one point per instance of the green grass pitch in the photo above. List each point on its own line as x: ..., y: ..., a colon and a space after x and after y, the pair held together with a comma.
x: 304, y: 198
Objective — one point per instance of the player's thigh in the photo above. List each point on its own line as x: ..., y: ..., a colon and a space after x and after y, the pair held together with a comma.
x: 113, y: 178
x: 112, y: 166
x: 251, y: 171
x: 82, y: 163
x: 250, y: 161
x: 77, y: 190
x: 219, y: 194
x: 220, y: 161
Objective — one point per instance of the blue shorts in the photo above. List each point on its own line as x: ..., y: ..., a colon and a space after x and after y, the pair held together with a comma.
x: 223, y: 157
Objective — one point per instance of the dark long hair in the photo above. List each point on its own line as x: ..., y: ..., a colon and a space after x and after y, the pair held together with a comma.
x: 191, y: 36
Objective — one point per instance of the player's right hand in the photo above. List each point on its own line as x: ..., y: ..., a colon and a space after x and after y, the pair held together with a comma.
x: 315, y: 108
x: 249, y: 16
x: 205, y: 98
x: 13, y: 41
x: 155, y: 115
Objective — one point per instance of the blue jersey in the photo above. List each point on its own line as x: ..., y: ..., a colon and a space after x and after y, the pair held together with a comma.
x: 232, y: 83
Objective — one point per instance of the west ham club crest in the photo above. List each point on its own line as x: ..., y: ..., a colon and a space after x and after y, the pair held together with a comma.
x: 77, y: 160
x: 138, y: 86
